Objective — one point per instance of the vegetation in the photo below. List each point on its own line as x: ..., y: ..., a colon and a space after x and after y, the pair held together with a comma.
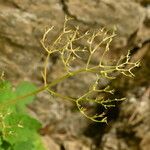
x: 19, y: 130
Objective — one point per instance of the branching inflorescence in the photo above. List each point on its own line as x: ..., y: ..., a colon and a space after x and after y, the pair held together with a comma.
x: 66, y: 45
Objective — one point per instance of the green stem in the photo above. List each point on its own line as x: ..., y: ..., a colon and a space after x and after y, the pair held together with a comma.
x: 56, y: 81
x: 61, y: 96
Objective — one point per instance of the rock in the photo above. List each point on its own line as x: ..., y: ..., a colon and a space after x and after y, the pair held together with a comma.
x: 74, y: 145
x: 145, y: 143
x: 142, y: 36
x: 131, y: 130
x: 147, y: 19
x: 143, y: 2
x: 50, y: 144
x: 58, y: 116
x: 22, y: 24
x: 74, y: 86
x: 111, y: 141
x: 126, y: 15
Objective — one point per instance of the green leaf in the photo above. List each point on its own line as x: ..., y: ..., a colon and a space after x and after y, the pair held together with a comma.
x: 5, y: 146
x: 28, y: 145
x: 1, y: 142
x: 32, y: 144
x: 6, y: 92
x: 38, y: 143
x: 19, y: 127
x: 2, y: 148
x: 18, y: 130
x: 23, y: 89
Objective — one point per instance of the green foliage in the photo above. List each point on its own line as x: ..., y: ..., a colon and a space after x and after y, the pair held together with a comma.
x: 18, y: 131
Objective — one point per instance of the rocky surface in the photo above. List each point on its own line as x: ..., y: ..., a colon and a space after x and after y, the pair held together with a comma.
x: 21, y: 28
x: 22, y: 24
x: 131, y: 130
x: 50, y: 143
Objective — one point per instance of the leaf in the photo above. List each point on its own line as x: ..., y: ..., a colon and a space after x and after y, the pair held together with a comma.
x: 38, y: 143
x: 6, y: 91
x: 2, y: 148
x: 32, y: 144
x: 5, y: 146
x: 1, y: 141
x: 23, y: 89
x: 19, y: 127
x: 18, y: 130
x: 28, y: 145
x: 6, y: 94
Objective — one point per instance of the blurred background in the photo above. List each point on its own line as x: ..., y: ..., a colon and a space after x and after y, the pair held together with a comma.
x: 22, y: 24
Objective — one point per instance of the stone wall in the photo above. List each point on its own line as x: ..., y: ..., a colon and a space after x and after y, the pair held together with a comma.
x: 22, y: 24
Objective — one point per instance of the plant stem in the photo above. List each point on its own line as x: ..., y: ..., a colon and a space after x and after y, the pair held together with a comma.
x: 56, y: 81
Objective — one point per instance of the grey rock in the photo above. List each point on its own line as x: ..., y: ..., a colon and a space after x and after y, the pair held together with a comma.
x: 22, y: 24
x: 74, y: 145
x: 126, y: 15
x: 133, y: 124
x: 145, y: 143
x: 50, y: 144
x: 58, y: 116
